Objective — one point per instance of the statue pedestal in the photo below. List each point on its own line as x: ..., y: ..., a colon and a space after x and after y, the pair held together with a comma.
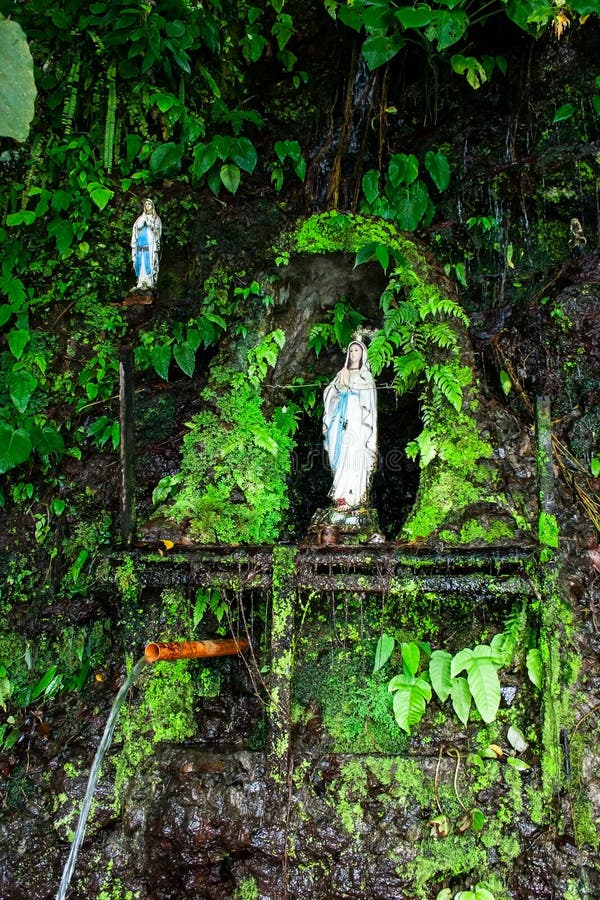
x: 345, y: 525
x: 140, y: 297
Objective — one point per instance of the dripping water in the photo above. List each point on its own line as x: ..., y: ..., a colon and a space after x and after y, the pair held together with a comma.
x: 93, y: 777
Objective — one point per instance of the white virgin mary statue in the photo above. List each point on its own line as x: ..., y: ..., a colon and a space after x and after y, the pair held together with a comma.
x: 350, y: 428
x: 145, y: 245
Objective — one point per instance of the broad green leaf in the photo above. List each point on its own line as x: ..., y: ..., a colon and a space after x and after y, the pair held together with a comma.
x: 253, y: 46
x: 379, y: 49
x: 165, y: 158
x: 427, y: 448
x: 75, y: 570
x: 461, y: 699
x: 469, y: 66
x: 410, y: 701
x: 205, y: 156
x: 17, y: 84
x: 563, y: 113
x: 41, y: 685
x: 484, y: 685
x: 403, y: 169
x: 410, y: 205
x: 417, y: 17
x: 15, y: 291
x: 519, y: 764
x: 534, y: 667
x: 164, y: 101
x: 23, y: 217
x: 351, y: 16
x: 160, y: 357
x: 365, y: 253
x: 18, y: 340
x: 243, y: 153
x: 477, y: 821
x: 493, y: 654
x: 15, y: 447
x: 47, y: 441
x: 481, y: 892
x: 438, y: 167
x: 21, y: 385
x: 62, y: 232
x: 505, y: 382
x: 585, y: 7
x: 382, y: 254
x: 383, y: 651
x: 447, y: 27
x: 411, y: 656
x: 596, y: 103
x: 185, y: 357
x: 370, y: 185
x: 100, y: 195
x: 439, y: 672
x: 230, y: 176
x: 460, y: 661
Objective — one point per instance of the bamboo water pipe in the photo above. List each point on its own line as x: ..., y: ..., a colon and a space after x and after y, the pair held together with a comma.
x: 170, y: 650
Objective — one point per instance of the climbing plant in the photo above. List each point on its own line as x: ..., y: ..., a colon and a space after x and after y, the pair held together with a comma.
x: 404, y: 197
x: 448, y: 25
x: 221, y: 500
x: 419, y: 324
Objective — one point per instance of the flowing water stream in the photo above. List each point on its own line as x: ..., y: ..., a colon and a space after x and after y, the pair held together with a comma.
x: 93, y: 777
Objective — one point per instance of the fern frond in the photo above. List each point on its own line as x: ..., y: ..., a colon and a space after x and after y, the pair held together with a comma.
x: 381, y: 352
x: 429, y: 414
x: 436, y: 305
x: 399, y: 317
x: 442, y: 335
x: 407, y: 369
x: 446, y: 382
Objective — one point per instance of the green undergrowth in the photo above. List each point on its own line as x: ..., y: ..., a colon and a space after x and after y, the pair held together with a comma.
x: 236, y: 459
x: 36, y: 669
x: 356, y: 709
x: 371, y: 788
x: 164, y: 709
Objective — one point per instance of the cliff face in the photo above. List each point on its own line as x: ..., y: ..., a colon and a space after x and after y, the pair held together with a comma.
x: 356, y: 751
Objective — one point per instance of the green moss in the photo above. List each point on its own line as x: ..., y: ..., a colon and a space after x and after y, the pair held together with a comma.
x: 247, y: 889
x: 347, y: 793
x: 168, y: 695
x: 332, y: 232
x: 473, y: 531
x: 227, y: 502
x: 584, y: 824
x: 453, y: 477
x: 356, y: 710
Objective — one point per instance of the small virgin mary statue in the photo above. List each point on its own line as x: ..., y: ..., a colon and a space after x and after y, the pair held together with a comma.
x: 145, y: 246
x: 350, y: 429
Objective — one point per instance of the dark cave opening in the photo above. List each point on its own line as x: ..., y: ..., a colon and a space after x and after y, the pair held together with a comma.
x: 396, y: 478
